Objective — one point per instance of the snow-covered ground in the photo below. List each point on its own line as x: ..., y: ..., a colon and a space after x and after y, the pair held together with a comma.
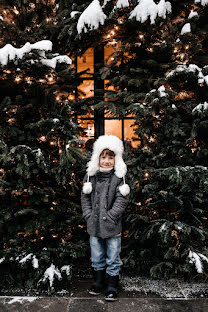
x: 167, y: 289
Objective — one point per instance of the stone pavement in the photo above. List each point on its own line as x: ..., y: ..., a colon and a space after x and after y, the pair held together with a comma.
x: 78, y: 300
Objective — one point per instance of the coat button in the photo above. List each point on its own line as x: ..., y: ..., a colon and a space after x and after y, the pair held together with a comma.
x: 104, y: 218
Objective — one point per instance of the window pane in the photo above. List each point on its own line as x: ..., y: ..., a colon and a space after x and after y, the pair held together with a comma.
x: 129, y: 133
x: 113, y: 127
x: 86, y: 61
x: 86, y: 89
x: 88, y: 131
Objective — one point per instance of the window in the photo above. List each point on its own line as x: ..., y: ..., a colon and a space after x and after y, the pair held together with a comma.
x: 98, y: 123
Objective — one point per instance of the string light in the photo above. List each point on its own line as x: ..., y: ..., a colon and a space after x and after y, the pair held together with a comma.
x: 146, y: 175
x: 18, y: 79
x: 42, y: 138
x: 52, y: 142
x: 16, y: 11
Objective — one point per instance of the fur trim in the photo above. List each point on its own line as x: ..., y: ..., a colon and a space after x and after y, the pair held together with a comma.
x: 87, y: 188
x: 124, y: 189
x: 112, y: 143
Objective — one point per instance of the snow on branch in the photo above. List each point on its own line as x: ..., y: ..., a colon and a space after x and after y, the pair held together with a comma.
x: 188, y: 69
x: 197, y: 260
x: 9, y: 53
x: 200, y: 108
x: 148, y: 8
x: 50, y: 275
x: 122, y: 4
x: 92, y: 16
x: 203, y: 2
x: 186, y: 29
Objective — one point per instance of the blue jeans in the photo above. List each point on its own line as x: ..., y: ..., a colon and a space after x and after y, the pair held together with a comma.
x: 106, y: 252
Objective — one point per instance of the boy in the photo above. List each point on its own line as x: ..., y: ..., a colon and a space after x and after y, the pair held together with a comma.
x: 104, y: 199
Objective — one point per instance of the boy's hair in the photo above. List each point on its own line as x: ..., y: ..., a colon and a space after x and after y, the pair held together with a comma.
x: 107, y: 152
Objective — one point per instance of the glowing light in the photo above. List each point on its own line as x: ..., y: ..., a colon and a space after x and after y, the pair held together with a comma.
x: 141, y: 36
x: 28, y: 80
x: 42, y: 138
x: 146, y: 175
x: 187, y: 47
x: 112, y: 32
x: 52, y: 143
x: 18, y: 79
x: 116, y: 27
x: 57, y: 98
x: 11, y: 120
x: 16, y: 11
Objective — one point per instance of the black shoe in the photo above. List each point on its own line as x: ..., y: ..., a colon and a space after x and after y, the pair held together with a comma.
x: 111, y: 292
x: 99, y: 283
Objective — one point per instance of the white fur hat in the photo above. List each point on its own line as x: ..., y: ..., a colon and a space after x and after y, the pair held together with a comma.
x: 115, y: 145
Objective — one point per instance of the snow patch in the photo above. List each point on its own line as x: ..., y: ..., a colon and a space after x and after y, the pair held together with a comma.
x: 50, y: 275
x: 2, y: 260
x: 122, y: 4
x: 92, y: 16
x: 203, y: 2
x: 170, y: 289
x: 162, y: 91
x: 67, y: 269
x: 57, y: 59
x: 73, y: 13
x: 195, y: 258
x: 200, y: 107
x: 21, y: 299
x: 10, y: 53
x: 149, y: 9
x: 186, y: 29
x: 192, y: 14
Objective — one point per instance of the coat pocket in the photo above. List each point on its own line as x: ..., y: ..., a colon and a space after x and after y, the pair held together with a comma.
x: 111, y: 219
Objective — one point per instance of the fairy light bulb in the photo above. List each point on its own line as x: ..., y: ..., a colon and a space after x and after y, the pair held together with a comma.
x: 42, y: 138
x: 17, y: 79
x: 146, y: 174
x: 16, y: 11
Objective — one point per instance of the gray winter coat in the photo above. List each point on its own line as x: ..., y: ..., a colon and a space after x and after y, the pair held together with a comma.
x: 103, y: 208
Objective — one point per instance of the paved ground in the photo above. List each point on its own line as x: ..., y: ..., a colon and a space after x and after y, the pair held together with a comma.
x: 78, y: 300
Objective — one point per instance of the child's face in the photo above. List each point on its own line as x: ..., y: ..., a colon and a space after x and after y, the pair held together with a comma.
x: 107, y: 159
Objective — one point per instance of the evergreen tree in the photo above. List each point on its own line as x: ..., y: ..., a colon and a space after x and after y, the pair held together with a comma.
x: 40, y: 157
x: 155, y: 43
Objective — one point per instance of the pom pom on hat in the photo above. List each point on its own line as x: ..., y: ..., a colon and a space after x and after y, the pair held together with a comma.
x: 124, y: 189
x: 87, y: 188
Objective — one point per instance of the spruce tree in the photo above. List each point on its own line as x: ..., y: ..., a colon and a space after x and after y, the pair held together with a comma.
x: 40, y: 157
x: 155, y: 43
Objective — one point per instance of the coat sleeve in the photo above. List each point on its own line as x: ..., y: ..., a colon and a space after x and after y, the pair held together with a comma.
x: 119, y: 205
x: 86, y: 203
